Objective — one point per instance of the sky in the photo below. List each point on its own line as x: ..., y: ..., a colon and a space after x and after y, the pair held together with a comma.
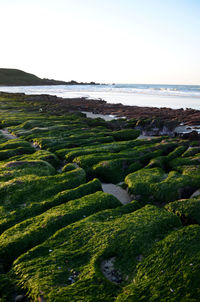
x: 107, y: 41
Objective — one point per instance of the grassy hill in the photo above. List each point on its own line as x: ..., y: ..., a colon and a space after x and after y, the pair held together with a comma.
x: 16, y: 77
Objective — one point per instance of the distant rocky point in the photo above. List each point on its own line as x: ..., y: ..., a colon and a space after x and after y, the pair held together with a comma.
x: 16, y: 77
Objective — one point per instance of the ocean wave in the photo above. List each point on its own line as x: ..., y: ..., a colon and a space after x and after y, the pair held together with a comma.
x: 161, y: 90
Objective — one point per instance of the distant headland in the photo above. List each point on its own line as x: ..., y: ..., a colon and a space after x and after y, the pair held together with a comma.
x: 16, y: 77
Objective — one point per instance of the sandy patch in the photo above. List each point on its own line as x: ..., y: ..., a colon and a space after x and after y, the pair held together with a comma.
x: 121, y: 194
x: 103, y: 116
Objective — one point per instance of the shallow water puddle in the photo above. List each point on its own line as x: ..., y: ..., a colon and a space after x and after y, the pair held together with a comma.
x: 118, y: 192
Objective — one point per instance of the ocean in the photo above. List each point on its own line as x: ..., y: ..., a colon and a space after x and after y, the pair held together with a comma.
x: 171, y: 96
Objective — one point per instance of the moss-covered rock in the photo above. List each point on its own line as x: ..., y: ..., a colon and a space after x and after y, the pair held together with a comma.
x: 5, y: 154
x: 153, y: 185
x: 176, y: 152
x: 8, y: 219
x: 140, y: 183
x: 44, y: 155
x: 187, y: 209
x: 15, y: 169
x: 66, y: 267
x: 29, y: 233
x: 112, y: 171
x: 191, y: 151
x: 184, y: 161
x: 69, y: 167
x: 21, y: 192
x: 125, y: 134
x: 159, y: 162
x: 13, y: 144
x: 170, y: 272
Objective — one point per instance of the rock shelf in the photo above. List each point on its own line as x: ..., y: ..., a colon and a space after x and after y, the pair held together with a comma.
x: 90, y: 210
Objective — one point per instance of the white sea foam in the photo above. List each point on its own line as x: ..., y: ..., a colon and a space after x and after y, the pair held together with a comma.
x: 172, y: 96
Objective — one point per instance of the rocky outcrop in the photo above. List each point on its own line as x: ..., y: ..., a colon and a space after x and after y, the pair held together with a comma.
x: 151, y: 120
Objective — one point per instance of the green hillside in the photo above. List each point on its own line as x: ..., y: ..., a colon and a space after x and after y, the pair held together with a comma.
x: 16, y: 77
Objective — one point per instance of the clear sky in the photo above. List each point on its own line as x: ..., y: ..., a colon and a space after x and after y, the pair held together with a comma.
x: 121, y: 41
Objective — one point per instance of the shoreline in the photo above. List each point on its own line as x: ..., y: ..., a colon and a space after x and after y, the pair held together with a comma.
x: 98, y: 108
x: 158, y: 96
x: 189, y: 117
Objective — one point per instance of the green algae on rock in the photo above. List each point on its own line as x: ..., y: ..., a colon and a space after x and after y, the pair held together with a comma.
x: 170, y: 272
x: 66, y: 267
x: 45, y: 196
x: 29, y: 233
x: 187, y: 209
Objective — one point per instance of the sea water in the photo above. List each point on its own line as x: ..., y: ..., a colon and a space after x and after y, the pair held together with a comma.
x: 171, y: 96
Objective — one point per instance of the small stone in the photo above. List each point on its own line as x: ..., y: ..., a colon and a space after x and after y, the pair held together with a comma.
x: 19, y: 298
x: 139, y: 258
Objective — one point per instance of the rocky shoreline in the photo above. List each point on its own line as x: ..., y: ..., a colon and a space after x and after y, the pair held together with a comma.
x: 149, y: 120
x: 187, y: 116
x: 91, y: 211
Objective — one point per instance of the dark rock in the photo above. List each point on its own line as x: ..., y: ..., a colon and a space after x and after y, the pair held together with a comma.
x: 20, y: 298
x: 193, y: 135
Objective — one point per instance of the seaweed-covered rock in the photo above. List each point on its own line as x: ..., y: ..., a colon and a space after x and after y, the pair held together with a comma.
x: 159, y: 162
x: 15, y: 169
x: 69, y: 167
x: 191, y: 151
x: 153, y: 185
x: 29, y: 233
x: 140, y: 183
x: 5, y: 154
x: 125, y: 134
x: 184, y: 161
x: 21, y: 192
x: 44, y: 155
x: 176, y: 152
x: 187, y: 209
x: 37, y: 207
x: 112, y: 171
x: 67, y: 267
x: 170, y: 272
